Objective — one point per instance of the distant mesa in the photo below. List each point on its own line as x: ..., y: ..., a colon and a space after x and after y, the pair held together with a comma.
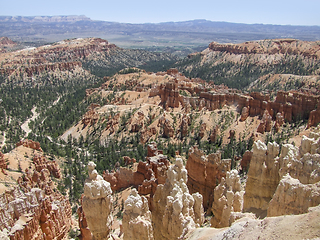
x: 46, y: 19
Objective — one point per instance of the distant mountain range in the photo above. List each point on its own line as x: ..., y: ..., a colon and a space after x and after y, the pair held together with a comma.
x: 153, y: 36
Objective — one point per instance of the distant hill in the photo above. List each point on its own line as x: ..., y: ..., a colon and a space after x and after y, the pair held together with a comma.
x: 152, y: 36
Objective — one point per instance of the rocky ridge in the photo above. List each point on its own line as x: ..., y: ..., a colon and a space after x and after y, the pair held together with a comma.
x: 271, y: 47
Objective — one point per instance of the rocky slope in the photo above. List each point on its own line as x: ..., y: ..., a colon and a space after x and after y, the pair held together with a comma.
x: 173, y: 106
x: 246, y: 62
x: 94, y: 54
x: 304, y: 226
x: 32, y: 208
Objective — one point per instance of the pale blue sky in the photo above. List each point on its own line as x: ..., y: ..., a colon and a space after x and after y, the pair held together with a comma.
x: 284, y: 12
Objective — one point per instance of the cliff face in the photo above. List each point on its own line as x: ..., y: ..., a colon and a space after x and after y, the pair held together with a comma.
x: 277, y: 46
x: 35, y: 210
x: 205, y: 173
x: 62, y: 56
x: 291, y: 105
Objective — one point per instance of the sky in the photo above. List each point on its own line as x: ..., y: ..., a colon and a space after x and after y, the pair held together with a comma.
x: 282, y: 12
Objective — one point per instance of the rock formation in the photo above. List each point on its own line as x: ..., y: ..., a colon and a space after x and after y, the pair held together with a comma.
x: 202, y: 130
x: 263, y: 176
x: 83, y: 225
x: 265, y: 123
x: 137, y: 122
x: 279, y: 121
x: 90, y: 118
x: 168, y: 130
x: 276, y: 46
x: 137, y: 218
x: 96, y: 204
x: 35, y: 210
x: 3, y: 164
x: 185, y: 122
x: 29, y: 144
x: 245, y: 161
x: 228, y: 198
x: 284, y: 184
x: 299, y: 187
x: 175, y: 210
x: 303, y: 226
x: 41, y: 162
x: 145, y: 175
x: 169, y: 95
x: 205, y: 173
x: 293, y: 197
x: 244, y: 113
x: 146, y: 134
x: 214, y: 134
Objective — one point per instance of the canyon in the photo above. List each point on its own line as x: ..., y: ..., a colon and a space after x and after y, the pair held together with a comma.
x: 162, y: 155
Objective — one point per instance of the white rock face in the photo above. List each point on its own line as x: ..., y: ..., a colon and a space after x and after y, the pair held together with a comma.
x: 228, y: 199
x: 97, y: 203
x: 293, y: 197
x: 285, y: 183
x: 263, y: 176
x: 137, y: 218
x: 175, y: 210
x: 299, y: 187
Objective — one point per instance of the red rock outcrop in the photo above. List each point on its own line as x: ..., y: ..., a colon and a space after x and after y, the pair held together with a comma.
x: 29, y: 144
x: 169, y: 94
x: 137, y: 122
x: 41, y: 162
x: 34, y: 210
x: 245, y: 161
x: 90, y: 118
x: 146, y: 177
x: 205, y: 173
x: 279, y: 121
x: 147, y: 133
x: 127, y: 160
x: 152, y: 150
x: 232, y: 133
x: 166, y: 126
x: 202, y: 130
x: 265, y: 123
x: 185, y: 122
x: 314, y: 118
x: 214, y: 134
x: 83, y: 225
x: 3, y: 164
x: 244, y: 113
